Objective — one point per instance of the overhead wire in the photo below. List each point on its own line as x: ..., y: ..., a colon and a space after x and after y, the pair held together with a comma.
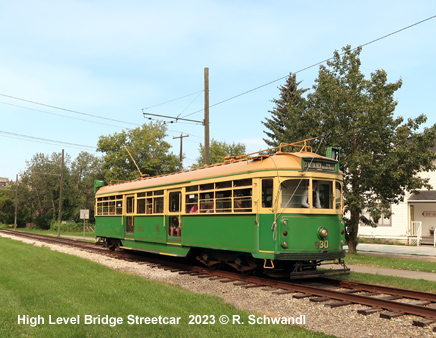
x: 69, y: 110
x: 43, y: 140
x: 182, y: 97
x: 314, y: 65
x: 68, y: 117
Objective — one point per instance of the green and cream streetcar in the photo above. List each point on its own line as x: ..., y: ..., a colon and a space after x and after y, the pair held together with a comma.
x: 278, y: 213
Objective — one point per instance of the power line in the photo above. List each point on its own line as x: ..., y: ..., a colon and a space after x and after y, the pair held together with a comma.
x: 42, y: 140
x: 190, y: 103
x: 160, y: 104
x: 42, y: 111
x: 315, y: 64
x: 69, y: 110
x: 68, y: 117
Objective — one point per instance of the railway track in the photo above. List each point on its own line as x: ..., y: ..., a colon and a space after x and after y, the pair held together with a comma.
x: 388, y: 301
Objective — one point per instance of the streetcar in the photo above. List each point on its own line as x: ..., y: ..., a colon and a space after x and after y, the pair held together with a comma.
x: 279, y: 213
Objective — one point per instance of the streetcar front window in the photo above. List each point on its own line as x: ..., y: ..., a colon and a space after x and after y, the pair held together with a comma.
x: 294, y: 193
x: 305, y: 193
x: 325, y: 191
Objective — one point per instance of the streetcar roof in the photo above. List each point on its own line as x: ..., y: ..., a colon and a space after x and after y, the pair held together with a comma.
x: 274, y: 162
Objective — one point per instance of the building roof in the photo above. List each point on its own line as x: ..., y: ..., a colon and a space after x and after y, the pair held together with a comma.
x: 426, y: 195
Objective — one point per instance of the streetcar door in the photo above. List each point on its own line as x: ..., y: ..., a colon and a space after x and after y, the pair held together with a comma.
x: 174, y: 219
x: 128, y: 217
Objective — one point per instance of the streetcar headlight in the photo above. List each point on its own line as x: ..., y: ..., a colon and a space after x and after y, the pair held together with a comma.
x: 285, y: 244
x: 322, y: 232
x: 285, y: 222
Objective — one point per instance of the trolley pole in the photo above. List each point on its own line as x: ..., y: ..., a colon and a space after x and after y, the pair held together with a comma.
x: 60, y: 195
x: 181, y: 149
x: 206, y: 116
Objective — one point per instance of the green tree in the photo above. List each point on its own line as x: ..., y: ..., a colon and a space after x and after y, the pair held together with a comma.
x: 42, y: 178
x: 289, y: 117
x: 218, y: 151
x: 7, y: 206
x: 148, y: 148
x: 84, y: 170
x: 376, y: 147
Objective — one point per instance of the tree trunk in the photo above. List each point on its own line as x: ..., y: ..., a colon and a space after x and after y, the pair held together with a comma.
x: 352, y: 227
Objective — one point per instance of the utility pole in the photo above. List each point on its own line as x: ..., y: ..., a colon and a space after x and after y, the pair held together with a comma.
x: 181, y: 149
x: 60, y: 195
x: 205, y: 122
x: 206, y: 116
x: 16, y: 202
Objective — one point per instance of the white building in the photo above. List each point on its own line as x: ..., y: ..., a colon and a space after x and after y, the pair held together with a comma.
x: 404, y: 223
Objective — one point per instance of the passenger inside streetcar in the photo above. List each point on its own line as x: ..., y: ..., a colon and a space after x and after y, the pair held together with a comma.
x: 175, y: 230
x: 315, y: 196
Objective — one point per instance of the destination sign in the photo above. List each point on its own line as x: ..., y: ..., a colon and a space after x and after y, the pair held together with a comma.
x: 319, y: 166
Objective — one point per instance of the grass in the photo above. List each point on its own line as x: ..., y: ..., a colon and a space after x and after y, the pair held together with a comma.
x: 36, y: 281
x: 397, y: 282
x: 390, y: 262
x: 379, y: 241
x: 88, y: 235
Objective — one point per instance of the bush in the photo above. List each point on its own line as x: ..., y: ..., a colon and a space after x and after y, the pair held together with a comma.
x: 68, y: 226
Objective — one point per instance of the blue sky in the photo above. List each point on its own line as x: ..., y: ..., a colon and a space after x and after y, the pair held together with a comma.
x: 113, y: 58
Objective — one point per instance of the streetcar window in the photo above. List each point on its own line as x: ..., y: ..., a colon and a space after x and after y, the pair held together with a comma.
x: 140, y: 206
x: 223, y: 185
x: 129, y: 204
x: 112, y: 207
x: 105, y: 208
x: 174, y: 203
x: 191, y: 203
x: 158, y: 205
x: 206, y: 186
x: 224, y: 201
x: 325, y: 190
x: 149, y: 206
x: 295, y: 193
x: 338, y: 195
x: 206, y: 202
x: 119, y: 206
x: 242, y: 183
x: 220, y: 197
x: 192, y: 188
x: 267, y: 193
x: 242, y: 200
x: 149, y: 203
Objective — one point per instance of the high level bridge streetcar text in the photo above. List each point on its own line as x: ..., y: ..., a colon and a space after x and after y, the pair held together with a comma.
x: 278, y: 213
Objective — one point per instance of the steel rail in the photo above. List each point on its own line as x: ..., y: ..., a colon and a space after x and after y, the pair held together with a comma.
x: 406, y: 308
